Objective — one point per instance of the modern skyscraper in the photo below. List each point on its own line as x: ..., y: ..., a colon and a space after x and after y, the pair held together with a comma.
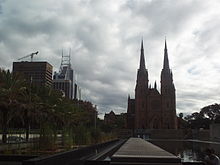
x: 39, y: 72
x: 151, y: 109
x: 64, y: 80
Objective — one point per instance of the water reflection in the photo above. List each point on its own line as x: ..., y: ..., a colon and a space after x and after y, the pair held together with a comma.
x: 188, y: 151
x: 189, y: 156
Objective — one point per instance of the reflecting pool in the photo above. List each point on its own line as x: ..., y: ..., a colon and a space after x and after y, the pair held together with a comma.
x: 187, y: 150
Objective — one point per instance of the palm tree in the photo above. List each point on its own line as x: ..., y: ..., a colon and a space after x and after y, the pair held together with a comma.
x: 11, y: 87
x: 29, y: 109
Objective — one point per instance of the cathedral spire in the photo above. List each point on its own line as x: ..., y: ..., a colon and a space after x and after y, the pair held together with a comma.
x: 166, y: 60
x: 155, y: 85
x: 142, y: 61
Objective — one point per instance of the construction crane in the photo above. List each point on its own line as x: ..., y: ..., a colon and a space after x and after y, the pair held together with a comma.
x: 30, y: 55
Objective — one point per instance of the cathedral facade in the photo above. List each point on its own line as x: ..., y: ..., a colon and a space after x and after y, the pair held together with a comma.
x: 152, y: 109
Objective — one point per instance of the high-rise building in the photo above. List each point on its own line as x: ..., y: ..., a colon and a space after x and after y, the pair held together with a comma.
x: 152, y: 109
x: 40, y: 73
x: 64, y: 79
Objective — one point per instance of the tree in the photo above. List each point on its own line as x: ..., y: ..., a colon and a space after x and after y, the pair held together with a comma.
x: 44, y: 108
x: 180, y: 115
x: 28, y: 104
x: 11, y: 88
x: 182, y: 123
x: 212, y: 112
x: 207, y: 115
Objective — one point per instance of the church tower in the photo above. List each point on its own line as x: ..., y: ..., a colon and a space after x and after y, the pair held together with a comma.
x: 141, y: 91
x: 151, y: 109
x: 168, y: 95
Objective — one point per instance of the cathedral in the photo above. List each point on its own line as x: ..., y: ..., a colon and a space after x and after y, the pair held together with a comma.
x: 152, y: 109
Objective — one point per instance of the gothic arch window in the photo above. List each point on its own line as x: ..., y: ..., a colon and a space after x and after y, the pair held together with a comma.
x: 168, y: 105
x: 166, y: 124
x: 156, y: 124
x: 142, y: 106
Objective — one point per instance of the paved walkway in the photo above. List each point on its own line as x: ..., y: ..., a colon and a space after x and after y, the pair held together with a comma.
x: 139, y: 151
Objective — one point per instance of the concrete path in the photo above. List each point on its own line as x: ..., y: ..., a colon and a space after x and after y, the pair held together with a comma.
x: 139, y: 151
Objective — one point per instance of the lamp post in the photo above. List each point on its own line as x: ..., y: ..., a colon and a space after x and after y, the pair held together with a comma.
x: 95, y: 115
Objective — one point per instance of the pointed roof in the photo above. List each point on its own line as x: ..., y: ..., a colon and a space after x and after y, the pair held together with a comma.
x: 142, y: 60
x: 166, y: 60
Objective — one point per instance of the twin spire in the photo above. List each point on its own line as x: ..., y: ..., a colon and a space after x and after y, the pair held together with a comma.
x: 142, y: 59
x: 166, y: 61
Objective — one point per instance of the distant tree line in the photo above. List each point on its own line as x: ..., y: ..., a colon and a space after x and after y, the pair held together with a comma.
x: 23, y: 105
x: 207, y: 115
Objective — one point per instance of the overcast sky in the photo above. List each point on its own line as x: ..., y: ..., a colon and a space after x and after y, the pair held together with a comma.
x: 105, y: 37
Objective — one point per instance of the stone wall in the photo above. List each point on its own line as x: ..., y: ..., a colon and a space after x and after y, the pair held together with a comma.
x: 165, y: 134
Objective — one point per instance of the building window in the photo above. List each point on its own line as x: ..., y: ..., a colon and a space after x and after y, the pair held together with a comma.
x: 168, y: 105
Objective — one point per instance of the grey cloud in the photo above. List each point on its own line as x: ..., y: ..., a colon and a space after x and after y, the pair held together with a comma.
x: 104, y: 37
x: 166, y: 17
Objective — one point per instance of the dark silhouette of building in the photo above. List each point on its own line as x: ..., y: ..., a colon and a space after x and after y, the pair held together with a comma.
x: 115, y: 120
x: 110, y: 118
x: 151, y: 109
x: 39, y: 73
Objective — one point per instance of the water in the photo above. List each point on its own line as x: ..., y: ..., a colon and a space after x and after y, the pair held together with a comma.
x: 188, y: 150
